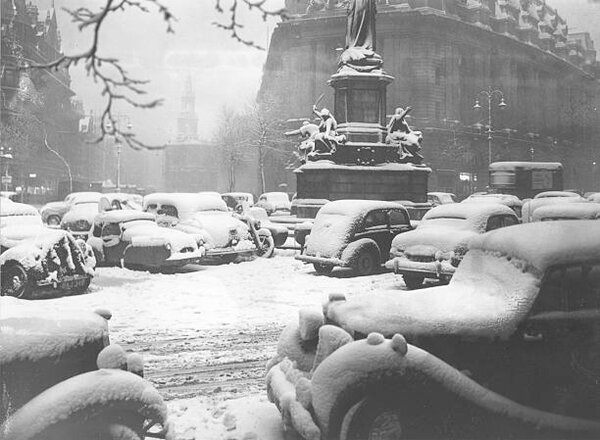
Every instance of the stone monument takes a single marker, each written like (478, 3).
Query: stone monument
(357, 154)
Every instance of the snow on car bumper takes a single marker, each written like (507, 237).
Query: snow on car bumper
(64, 283)
(182, 258)
(322, 260)
(431, 269)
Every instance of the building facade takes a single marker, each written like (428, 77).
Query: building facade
(443, 53)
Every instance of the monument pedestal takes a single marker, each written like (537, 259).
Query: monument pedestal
(324, 179)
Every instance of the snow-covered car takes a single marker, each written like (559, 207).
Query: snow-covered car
(436, 247)
(224, 235)
(133, 239)
(61, 378)
(512, 201)
(273, 202)
(548, 198)
(567, 211)
(354, 233)
(437, 198)
(279, 232)
(37, 258)
(233, 199)
(509, 349)
(53, 212)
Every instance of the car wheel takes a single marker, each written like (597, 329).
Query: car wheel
(266, 246)
(365, 263)
(323, 269)
(53, 220)
(15, 281)
(413, 281)
(373, 419)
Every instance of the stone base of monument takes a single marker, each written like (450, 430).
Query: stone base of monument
(390, 181)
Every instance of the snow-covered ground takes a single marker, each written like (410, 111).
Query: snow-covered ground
(207, 334)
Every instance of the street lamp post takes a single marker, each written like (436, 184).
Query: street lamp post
(489, 94)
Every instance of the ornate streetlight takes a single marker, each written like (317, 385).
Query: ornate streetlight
(489, 94)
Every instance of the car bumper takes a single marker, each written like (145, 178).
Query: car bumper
(183, 258)
(65, 283)
(322, 260)
(433, 269)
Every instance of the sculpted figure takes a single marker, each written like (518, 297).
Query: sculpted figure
(308, 131)
(359, 53)
(327, 140)
(408, 141)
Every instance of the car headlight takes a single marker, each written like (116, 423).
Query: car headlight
(233, 232)
(168, 246)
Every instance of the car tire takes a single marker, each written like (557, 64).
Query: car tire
(15, 281)
(365, 263)
(266, 246)
(53, 220)
(323, 269)
(413, 281)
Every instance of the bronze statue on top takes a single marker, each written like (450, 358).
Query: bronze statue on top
(406, 139)
(359, 54)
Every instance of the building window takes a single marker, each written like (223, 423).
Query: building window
(439, 74)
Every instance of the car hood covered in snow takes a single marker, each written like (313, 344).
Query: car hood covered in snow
(492, 291)
(219, 227)
(433, 236)
(145, 233)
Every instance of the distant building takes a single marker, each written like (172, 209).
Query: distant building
(442, 53)
(187, 121)
(38, 110)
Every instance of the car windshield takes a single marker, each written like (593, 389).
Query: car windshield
(445, 222)
(278, 197)
(138, 222)
(446, 198)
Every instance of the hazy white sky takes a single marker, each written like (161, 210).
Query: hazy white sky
(223, 71)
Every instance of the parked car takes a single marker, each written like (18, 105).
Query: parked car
(36, 258)
(53, 212)
(233, 199)
(567, 211)
(279, 232)
(509, 349)
(79, 219)
(133, 239)
(61, 379)
(530, 206)
(551, 194)
(512, 201)
(593, 197)
(354, 233)
(436, 247)
(437, 198)
(226, 237)
(273, 202)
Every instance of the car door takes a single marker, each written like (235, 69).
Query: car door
(375, 226)
(561, 341)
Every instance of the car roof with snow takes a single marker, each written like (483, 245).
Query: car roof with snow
(583, 210)
(505, 199)
(467, 211)
(187, 204)
(9, 208)
(571, 241)
(354, 208)
(511, 165)
(123, 215)
(83, 197)
(556, 194)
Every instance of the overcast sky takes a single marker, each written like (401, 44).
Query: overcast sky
(223, 72)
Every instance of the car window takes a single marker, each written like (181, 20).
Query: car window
(494, 222)
(570, 288)
(509, 220)
(152, 207)
(111, 229)
(375, 219)
(398, 218)
(169, 210)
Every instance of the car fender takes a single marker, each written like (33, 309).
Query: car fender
(97, 246)
(415, 377)
(264, 232)
(89, 401)
(353, 249)
(291, 345)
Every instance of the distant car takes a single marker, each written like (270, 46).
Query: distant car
(278, 232)
(593, 197)
(437, 198)
(61, 379)
(133, 239)
(225, 237)
(548, 198)
(273, 202)
(512, 201)
(567, 211)
(36, 258)
(354, 233)
(233, 199)
(436, 247)
(53, 212)
(509, 349)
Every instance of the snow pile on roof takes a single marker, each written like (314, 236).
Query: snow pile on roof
(547, 194)
(187, 204)
(335, 223)
(488, 296)
(91, 395)
(475, 214)
(511, 166)
(329, 165)
(505, 199)
(584, 210)
(545, 244)
(82, 211)
(32, 331)
(10, 208)
(530, 206)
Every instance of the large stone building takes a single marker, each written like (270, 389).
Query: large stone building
(442, 53)
(40, 118)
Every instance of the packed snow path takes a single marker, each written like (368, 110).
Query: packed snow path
(211, 330)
